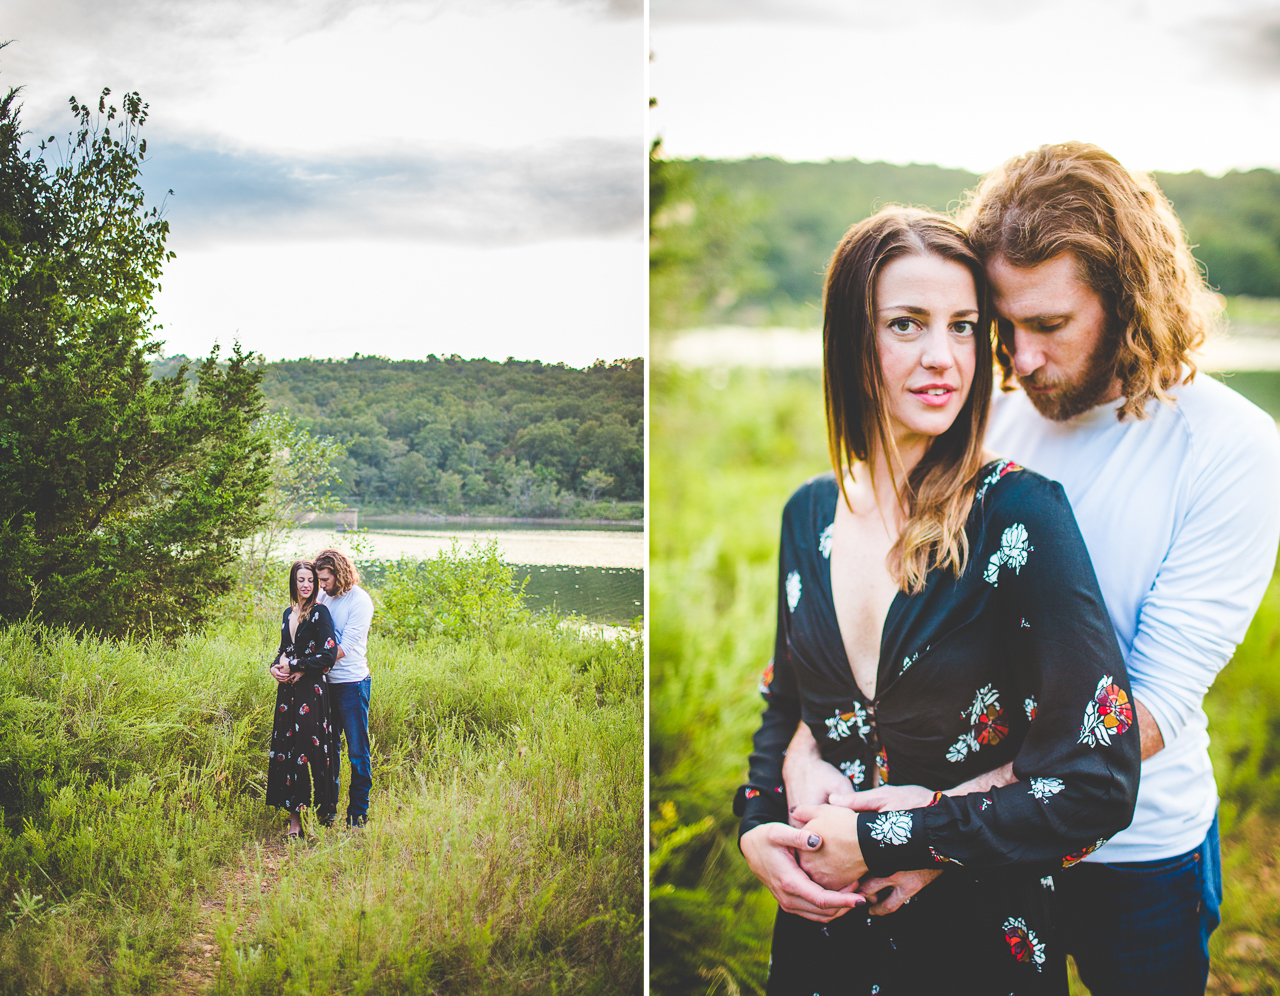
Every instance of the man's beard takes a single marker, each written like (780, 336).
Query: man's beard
(1070, 400)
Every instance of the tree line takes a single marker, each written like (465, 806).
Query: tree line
(519, 437)
(748, 240)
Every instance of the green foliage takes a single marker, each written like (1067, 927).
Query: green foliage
(302, 473)
(458, 435)
(703, 250)
(454, 594)
(504, 853)
(122, 499)
(801, 210)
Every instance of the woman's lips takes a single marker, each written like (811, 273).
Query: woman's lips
(935, 395)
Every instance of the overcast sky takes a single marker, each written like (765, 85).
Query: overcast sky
(1162, 84)
(396, 177)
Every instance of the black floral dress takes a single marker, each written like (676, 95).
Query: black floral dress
(302, 750)
(1015, 660)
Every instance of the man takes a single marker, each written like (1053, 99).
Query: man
(1173, 482)
(349, 681)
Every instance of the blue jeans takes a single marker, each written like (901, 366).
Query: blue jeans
(1142, 926)
(349, 701)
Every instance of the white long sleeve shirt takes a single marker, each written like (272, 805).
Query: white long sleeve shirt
(352, 613)
(1180, 514)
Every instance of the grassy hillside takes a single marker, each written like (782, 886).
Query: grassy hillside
(503, 854)
(725, 458)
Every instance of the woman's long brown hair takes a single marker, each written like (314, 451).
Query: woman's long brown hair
(298, 565)
(938, 492)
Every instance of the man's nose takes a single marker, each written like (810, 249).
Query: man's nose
(1028, 357)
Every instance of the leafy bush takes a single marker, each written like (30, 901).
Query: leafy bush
(453, 594)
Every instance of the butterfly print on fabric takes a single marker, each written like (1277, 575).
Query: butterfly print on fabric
(891, 828)
(766, 679)
(1023, 943)
(846, 724)
(1075, 857)
(1014, 547)
(1108, 714)
(793, 590)
(987, 724)
(1045, 788)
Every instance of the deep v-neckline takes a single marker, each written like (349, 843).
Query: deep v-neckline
(886, 624)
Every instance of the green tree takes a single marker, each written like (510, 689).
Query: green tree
(303, 472)
(123, 499)
(594, 481)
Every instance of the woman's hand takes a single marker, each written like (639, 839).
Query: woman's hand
(280, 670)
(838, 863)
(770, 850)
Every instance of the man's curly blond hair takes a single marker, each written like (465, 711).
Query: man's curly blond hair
(1130, 248)
(344, 571)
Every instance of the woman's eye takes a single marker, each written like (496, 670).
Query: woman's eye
(902, 325)
(964, 328)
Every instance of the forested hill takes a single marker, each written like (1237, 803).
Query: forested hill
(796, 212)
(521, 437)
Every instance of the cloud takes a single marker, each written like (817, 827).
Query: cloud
(589, 188)
(1246, 46)
(867, 13)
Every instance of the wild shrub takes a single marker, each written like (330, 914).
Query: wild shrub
(457, 593)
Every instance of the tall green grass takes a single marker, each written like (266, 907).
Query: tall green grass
(725, 458)
(503, 853)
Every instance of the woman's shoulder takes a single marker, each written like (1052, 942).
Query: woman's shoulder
(1007, 488)
(319, 614)
(819, 490)
(285, 618)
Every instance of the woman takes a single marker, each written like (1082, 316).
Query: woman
(301, 762)
(938, 617)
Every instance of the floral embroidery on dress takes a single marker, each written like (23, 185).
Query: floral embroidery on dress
(1014, 547)
(891, 828)
(1075, 857)
(961, 749)
(1029, 707)
(942, 859)
(854, 770)
(1023, 943)
(825, 539)
(766, 679)
(1000, 469)
(793, 590)
(908, 661)
(1047, 883)
(1045, 788)
(846, 724)
(882, 766)
(1108, 714)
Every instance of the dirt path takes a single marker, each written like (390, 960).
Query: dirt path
(249, 876)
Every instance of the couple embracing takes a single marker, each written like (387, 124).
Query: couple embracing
(322, 693)
(984, 746)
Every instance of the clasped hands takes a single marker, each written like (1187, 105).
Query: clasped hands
(280, 671)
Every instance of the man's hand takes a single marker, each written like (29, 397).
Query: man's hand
(1148, 731)
(770, 851)
(905, 884)
(886, 797)
(808, 779)
(339, 655)
(838, 863)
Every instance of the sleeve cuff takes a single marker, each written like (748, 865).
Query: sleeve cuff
(894, 841)
(759, 805)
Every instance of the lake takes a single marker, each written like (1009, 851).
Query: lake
(596, 573)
